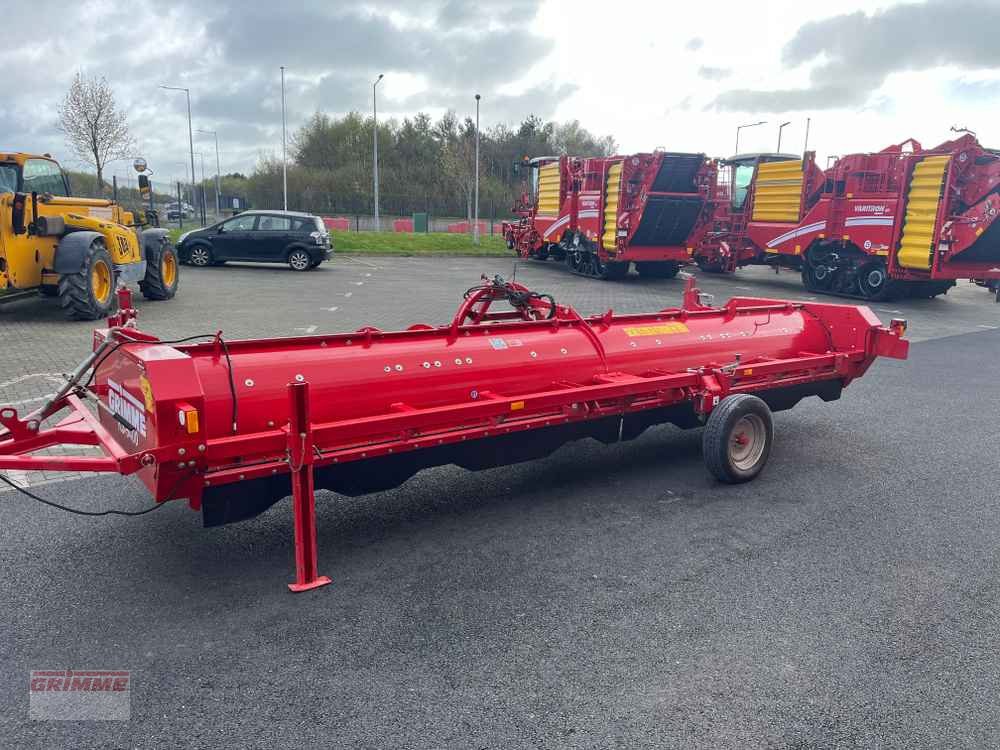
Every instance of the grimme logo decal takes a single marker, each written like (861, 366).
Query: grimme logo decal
(129, 408)
(870, 208)
(80, 694)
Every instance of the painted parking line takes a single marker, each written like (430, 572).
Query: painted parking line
(348, 294)
(331, 309)
(307, 329)
(54, 376)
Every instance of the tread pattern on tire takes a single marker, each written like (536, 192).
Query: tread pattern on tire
(74, 289)
(153, 286)
(715, 442)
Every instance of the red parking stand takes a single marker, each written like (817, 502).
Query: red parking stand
(300, 461)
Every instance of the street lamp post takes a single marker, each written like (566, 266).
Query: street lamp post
(740, 127)
(204, 204)
(190, 129)
(375, 141)
(475, 231)
(218, 175)
(284, 159)
(780, 128)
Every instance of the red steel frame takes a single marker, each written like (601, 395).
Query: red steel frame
(184, 464)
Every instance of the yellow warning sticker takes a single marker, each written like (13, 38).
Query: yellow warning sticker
(147, 393)
(664, 329)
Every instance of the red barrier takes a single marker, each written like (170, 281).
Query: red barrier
(402, 225)
(337, 222)
(465, 227)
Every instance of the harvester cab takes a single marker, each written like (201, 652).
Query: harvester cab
(725, 246)
(77, 249)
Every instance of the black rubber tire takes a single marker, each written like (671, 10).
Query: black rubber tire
(49, 290)
(881, 292)
(719, 434)
(315, 264)
(615, 271)
(200, 255)
(666, 269)
(295, 264)
(708, 266)
(156, 285)
(76, 293)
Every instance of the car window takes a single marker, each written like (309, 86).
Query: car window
(240, 223)
(303, 225)
(43, 176)
(274, 224)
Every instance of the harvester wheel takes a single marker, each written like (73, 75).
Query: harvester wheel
(89, 294)
(737, 439)
(874, 281)
(707, 265)
(658, 269)
(161, 277)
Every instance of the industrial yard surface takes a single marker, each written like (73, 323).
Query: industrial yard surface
(607, 596)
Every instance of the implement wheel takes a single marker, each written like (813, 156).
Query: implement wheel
(162, 275)
(737, 439)
(89, 294)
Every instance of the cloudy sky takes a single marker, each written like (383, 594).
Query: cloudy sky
(681, 75)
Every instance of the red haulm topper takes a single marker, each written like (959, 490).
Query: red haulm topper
(225, 424)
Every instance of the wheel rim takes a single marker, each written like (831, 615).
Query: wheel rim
(199, 256)
(100, 281)
(299, 261)
(747, 441)
(168, 269)
(875, 279)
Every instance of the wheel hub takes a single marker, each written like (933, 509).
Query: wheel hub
(747, 442)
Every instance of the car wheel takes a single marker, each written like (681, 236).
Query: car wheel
(200, 256)
(299, 260)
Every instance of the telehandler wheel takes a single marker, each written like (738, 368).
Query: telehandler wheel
(89, 294)
(161, 277)
(737, 439)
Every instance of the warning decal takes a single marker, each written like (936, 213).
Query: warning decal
(664, 329)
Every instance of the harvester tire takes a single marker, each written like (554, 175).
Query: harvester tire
(162, 275)
(737, 439)
(658, 269)
(89, 294)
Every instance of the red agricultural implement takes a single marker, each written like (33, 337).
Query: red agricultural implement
(905, 221)
(235, 426)
(599, 215)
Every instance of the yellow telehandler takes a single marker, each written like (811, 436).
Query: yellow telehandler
(77, 249)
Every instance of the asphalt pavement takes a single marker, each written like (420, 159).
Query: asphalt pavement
(607, 596)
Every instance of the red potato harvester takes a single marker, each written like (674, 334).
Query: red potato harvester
(233, 427)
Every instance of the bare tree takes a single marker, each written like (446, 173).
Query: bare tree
(94, 127)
